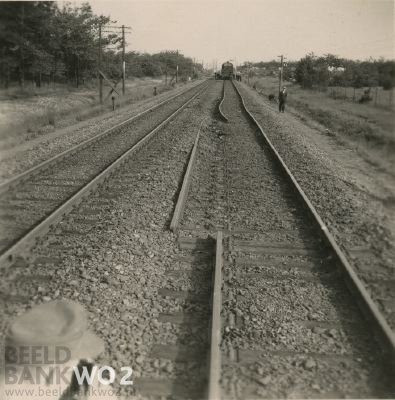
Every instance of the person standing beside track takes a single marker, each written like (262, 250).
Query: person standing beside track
(282, 98)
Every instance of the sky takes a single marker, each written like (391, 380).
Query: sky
(255, 30)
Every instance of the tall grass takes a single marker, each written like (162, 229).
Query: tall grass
(51, 116)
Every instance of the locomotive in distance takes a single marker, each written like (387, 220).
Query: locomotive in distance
(228, 72)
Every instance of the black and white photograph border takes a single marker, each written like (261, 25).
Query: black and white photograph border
(194, 205)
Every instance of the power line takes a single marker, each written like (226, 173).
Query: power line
(119, 27)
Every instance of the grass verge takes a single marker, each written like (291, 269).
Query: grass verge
(371, 130)
(31, 114)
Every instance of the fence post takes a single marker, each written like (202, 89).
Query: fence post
(375, 96)
(353, 96)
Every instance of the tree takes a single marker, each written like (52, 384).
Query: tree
(305, 72)
(386, 72)
(39, 39)
(24, 37)
(77, 39)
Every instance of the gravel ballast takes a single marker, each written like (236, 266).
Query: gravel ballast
(111, 253)
(291, 328)
(354, 199)
(54, 185)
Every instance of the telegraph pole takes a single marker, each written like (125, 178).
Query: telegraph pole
(100, 75)
(21, 48)
(280, 80)
(123, 60)
(117, 30)
(177, 68)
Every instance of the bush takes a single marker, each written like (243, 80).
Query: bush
(387, 84)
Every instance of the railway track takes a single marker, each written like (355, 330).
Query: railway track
(249, 300)
(30, 201)
(295, 320)
(112, 250)
(360, 237)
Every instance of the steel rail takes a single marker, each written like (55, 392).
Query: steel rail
(365, 302)
(214, 388)
(182, 197)
(220, 110)
(22, 246)
(86, 143)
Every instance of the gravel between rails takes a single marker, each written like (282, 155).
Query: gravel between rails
(24, 205)
(358, 213)
(206, 203)
(15, 161)
(289, 318)
(111, 254)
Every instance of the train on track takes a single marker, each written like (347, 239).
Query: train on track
(228, 72)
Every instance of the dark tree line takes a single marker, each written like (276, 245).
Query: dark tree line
(329, 70)
(43, 42)
(162, 64)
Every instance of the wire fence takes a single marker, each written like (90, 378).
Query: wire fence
(375, 96)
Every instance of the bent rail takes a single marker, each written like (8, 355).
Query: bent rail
(182, 197)
(220, 110)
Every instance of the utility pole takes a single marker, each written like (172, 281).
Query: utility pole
(123, 60)
(280, 80)
(21, 49)
(117, 30)
(100, 75)
(177, 68)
